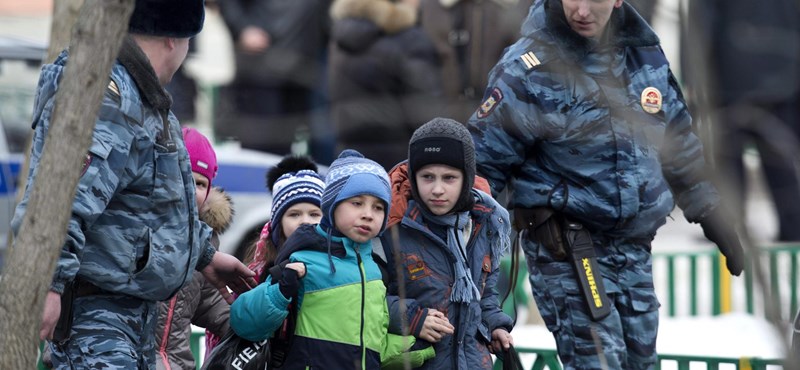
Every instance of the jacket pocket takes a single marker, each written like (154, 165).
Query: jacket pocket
(98, 349)
(93, 164)
(643, 299)
(167, 181)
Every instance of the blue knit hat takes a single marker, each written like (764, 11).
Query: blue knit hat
(352, 175)
(304, 186)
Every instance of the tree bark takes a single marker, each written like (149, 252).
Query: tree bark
(96, 39)
(65, 14)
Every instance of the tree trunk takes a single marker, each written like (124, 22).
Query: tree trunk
(28, 270)
(65, 14)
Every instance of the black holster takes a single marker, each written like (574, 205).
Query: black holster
(563, 238)
(64, 324)
(543, 225)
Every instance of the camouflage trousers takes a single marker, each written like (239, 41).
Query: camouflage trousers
(109, 332)
(625, 339)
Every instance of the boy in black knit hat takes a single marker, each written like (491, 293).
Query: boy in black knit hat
(446, 251)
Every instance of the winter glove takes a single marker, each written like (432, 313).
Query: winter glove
(289, 283)
(719, 231)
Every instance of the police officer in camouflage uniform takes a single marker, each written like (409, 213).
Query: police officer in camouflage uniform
(134, 237)
(583, 118)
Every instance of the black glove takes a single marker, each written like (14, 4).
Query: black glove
(722, 233)
(289, 283)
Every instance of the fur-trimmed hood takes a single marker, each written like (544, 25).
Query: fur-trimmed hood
(388, 16)
(217, 211)
(357, 24)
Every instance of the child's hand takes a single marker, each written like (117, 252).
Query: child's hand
(299, 267)
(436, 326)
(501, 340)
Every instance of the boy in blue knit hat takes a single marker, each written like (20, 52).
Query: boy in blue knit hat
(339, 273)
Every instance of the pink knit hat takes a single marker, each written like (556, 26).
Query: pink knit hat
(201, 154)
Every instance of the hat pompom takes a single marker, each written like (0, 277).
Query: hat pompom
(350, 153)
(294, 180)
(289, 164)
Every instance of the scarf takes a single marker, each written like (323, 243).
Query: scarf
(464, 289)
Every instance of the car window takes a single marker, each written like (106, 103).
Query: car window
(17, 86)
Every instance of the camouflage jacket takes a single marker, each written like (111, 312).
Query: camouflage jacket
(134, 227)
(598, 130)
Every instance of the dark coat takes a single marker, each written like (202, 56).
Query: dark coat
(490, 26)
(298, 32)
(384, 78)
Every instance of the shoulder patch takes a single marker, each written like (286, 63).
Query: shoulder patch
(488, 105)
(530, 59)
(113, 87)
(651, 100)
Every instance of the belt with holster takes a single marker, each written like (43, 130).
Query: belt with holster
(566, 238)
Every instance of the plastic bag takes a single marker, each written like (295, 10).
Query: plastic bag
(511, 360)
(235, 352)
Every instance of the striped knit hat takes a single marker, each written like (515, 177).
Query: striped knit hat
(352, 175)
(301, 186)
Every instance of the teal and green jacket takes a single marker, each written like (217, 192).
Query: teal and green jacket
(342, 317)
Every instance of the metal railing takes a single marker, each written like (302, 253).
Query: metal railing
(687, 278)
(548, 359)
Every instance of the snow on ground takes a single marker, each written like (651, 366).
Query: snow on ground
(728, 336)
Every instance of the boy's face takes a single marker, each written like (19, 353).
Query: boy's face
(298, 214)
(439, 186)
(359, 218)
(201, 184)
(589, 17)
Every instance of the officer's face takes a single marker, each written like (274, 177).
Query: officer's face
(178, 48)
(589, 17)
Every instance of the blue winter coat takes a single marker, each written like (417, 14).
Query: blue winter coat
(599, 131)
(428, 275)
(342, 314)
(134, 228)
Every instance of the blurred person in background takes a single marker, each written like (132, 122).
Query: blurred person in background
(748, 67)
(470, 36)
(384, 77)
(279, 52)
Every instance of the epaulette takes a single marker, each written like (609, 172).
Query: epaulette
(113, 87)
(530, 60)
